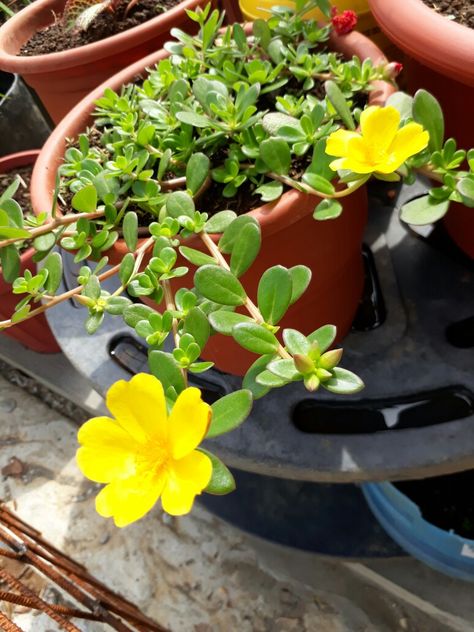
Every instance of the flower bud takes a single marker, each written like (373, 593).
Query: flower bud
(330, 359)
(303, 363)
(393, 69)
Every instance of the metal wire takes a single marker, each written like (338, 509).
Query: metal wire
(24, 544)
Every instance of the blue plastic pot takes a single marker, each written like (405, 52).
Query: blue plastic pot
(402, 520)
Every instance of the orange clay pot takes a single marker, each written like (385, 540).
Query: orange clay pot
(34, 333)
(290, 235)
(62, 79)
(439, 58)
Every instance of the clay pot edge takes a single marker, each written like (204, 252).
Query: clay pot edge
(11, 62)
(429, 37)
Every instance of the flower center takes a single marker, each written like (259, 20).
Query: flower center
(153, 458)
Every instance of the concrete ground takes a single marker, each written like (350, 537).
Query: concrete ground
(197, 574)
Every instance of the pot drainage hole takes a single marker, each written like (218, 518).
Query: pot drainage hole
(380, 415)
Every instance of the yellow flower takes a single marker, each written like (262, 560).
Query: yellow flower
(143, 454)
(381, 147)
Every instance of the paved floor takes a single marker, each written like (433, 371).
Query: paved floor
(196, 573)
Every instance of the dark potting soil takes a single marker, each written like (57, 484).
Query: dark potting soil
(461, 11)
(445, 501)
(22, 196)
(58, 37)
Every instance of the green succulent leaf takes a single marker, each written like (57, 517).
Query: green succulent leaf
(222, 482)
(245, 249)
(275, 152)
(338, 101)
(164, 367)
(300, 280)
(219, 222)
(10, 263)
(296, 342)
(197, 325)
(327, 209)
(219, 285)
(232, 232)
(180, 203)
(133, 314)
(274, 293)
(54, 266)
(130, 230)
(424, 210)
(224, 322)
(427, 111)
(229, 412)
(324, 336)
(85, 200)
(255, 338)
(343, 382)
(196, 257)
(197, 171)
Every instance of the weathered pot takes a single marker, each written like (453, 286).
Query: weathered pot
(62, 79)
(439, 58)
(20, 112)
(34, 333)
(290, 235)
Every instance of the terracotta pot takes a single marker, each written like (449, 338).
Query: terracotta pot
(290, 235)
(34, 333)
(439, 58)
(62, 79)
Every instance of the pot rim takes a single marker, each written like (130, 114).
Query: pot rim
(40, 64)
(271, 216)
(11, 161)
(440, 43)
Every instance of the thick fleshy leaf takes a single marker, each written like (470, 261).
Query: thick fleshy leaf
(274, 293)
(85, 200)
(197, 171)
(197, 325)
(285, 369)
(249, 382)
(275, 153)
(424, 210)
(245, 249)
(219, 222)
(296, 342)
(130, 230)
(133, 314)
(54, 266)
(343, 382)
(222, 482)
(179, 203)
(196, 257)
(219, 285)
(233, 230)
(255, 338)
(300, 279)
(164, 367)
(327, 209)
(324, 336)
(339, 103)
(224, 322)
(427, 111)
(229, 412)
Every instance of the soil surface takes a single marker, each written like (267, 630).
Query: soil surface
(445, 501)
(58, 37)
(22, 196)
(461, 11)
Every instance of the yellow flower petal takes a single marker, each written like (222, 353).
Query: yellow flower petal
(107, 451)
(337, 142)
(187, 478)
(128, 500)
(379, 126)
(139, 406)
(188, 422)
(409, 140)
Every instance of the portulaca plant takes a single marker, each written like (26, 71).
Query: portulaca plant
(227, 111)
